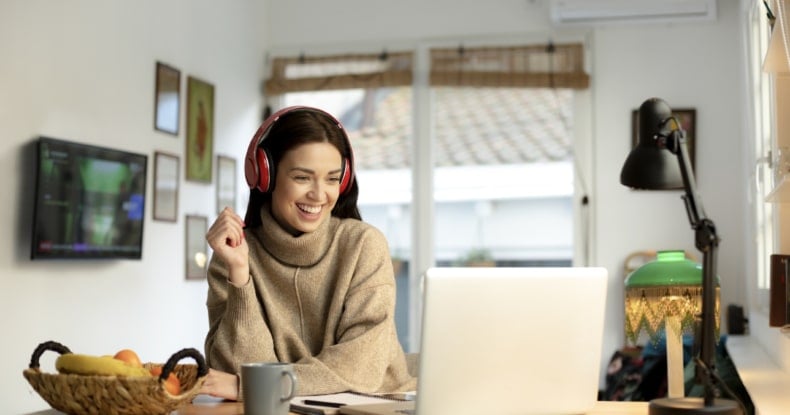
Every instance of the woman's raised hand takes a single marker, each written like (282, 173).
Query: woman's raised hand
(226, 238)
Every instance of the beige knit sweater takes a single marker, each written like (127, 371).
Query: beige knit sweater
(324, 301)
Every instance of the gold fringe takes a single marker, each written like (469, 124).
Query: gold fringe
(646, 310)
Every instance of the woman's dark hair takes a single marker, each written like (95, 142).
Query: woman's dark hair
(294, 129)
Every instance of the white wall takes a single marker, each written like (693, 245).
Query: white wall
(696, 64)
(83, 70)
(362, 24)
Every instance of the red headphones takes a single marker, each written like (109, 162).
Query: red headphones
(259, 165)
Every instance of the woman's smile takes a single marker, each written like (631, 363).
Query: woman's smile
(307, 186)
(309, 209)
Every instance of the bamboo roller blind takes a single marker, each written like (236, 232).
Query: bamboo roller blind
(339, 72)
(517, 66)
(535, 66)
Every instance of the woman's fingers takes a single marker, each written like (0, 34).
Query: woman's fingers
(227, 230)
(221, 384)
(226, 239)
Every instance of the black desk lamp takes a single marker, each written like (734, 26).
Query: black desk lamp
(650, 167)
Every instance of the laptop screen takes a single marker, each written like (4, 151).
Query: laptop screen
(511, 340)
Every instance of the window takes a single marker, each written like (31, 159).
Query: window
(761, 133)
(503, 182)
(761, 110)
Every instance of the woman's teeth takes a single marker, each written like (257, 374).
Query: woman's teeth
(310, 209)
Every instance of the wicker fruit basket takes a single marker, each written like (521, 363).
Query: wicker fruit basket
(116, 395)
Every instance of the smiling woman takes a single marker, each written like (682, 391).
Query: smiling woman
(319, 279)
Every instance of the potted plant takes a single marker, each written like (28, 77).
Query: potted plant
(478, 257)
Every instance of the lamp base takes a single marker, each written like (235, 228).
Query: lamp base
(693, 406)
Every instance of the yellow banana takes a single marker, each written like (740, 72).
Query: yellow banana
(81, 364)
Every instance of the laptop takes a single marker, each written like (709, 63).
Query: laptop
(507, 341)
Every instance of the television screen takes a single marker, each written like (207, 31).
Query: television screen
(89, 202)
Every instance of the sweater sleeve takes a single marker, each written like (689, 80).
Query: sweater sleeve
(366, 356)
(236, 321)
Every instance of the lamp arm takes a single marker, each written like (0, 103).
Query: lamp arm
(704, 374)
(707, 242)
(676, 143)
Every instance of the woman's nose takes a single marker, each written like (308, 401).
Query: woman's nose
(316, 190)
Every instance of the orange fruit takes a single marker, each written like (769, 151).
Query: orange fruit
(172, 384)
(129, 356)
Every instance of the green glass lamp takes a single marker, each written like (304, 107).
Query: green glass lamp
(665, 295)
(670, 285)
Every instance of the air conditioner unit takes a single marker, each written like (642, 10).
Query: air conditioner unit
(591, 12)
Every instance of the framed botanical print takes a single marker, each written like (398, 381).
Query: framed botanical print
(200, 130)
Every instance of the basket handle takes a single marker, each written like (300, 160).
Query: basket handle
(43, 347)
(188, 352)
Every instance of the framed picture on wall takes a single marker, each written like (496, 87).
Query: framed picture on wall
(196, 247)
(226, 183)
(200, 130)
(688, 120)
(165, 186)
(167, 98)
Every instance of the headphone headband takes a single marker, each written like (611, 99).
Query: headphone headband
(259, 166)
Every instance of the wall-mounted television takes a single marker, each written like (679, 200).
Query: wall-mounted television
(89, 202)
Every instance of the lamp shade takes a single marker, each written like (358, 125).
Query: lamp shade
(670, 285)
(649, 166)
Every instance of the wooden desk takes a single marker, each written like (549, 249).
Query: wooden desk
(212, 408)
(234, 408)
(620, 408)
(206, 407)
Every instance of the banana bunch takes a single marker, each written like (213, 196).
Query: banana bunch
(81, 364)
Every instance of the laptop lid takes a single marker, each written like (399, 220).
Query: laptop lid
(511, 340)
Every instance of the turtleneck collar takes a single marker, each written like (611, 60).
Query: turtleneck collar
(301, 251)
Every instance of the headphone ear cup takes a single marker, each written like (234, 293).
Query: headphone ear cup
(266, 170)
(346, 176)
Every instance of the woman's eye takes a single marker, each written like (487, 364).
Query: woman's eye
(334, 179)
(301, 178)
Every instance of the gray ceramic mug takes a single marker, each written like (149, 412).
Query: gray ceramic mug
(267, 388)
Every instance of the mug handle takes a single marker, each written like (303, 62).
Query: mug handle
(293, 386)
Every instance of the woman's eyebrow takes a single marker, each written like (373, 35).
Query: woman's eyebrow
(302, 169)
(311, 171)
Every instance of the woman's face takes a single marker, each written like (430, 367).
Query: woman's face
(306, 188)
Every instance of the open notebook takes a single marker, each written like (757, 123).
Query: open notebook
(507, 341)
(330, 404)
